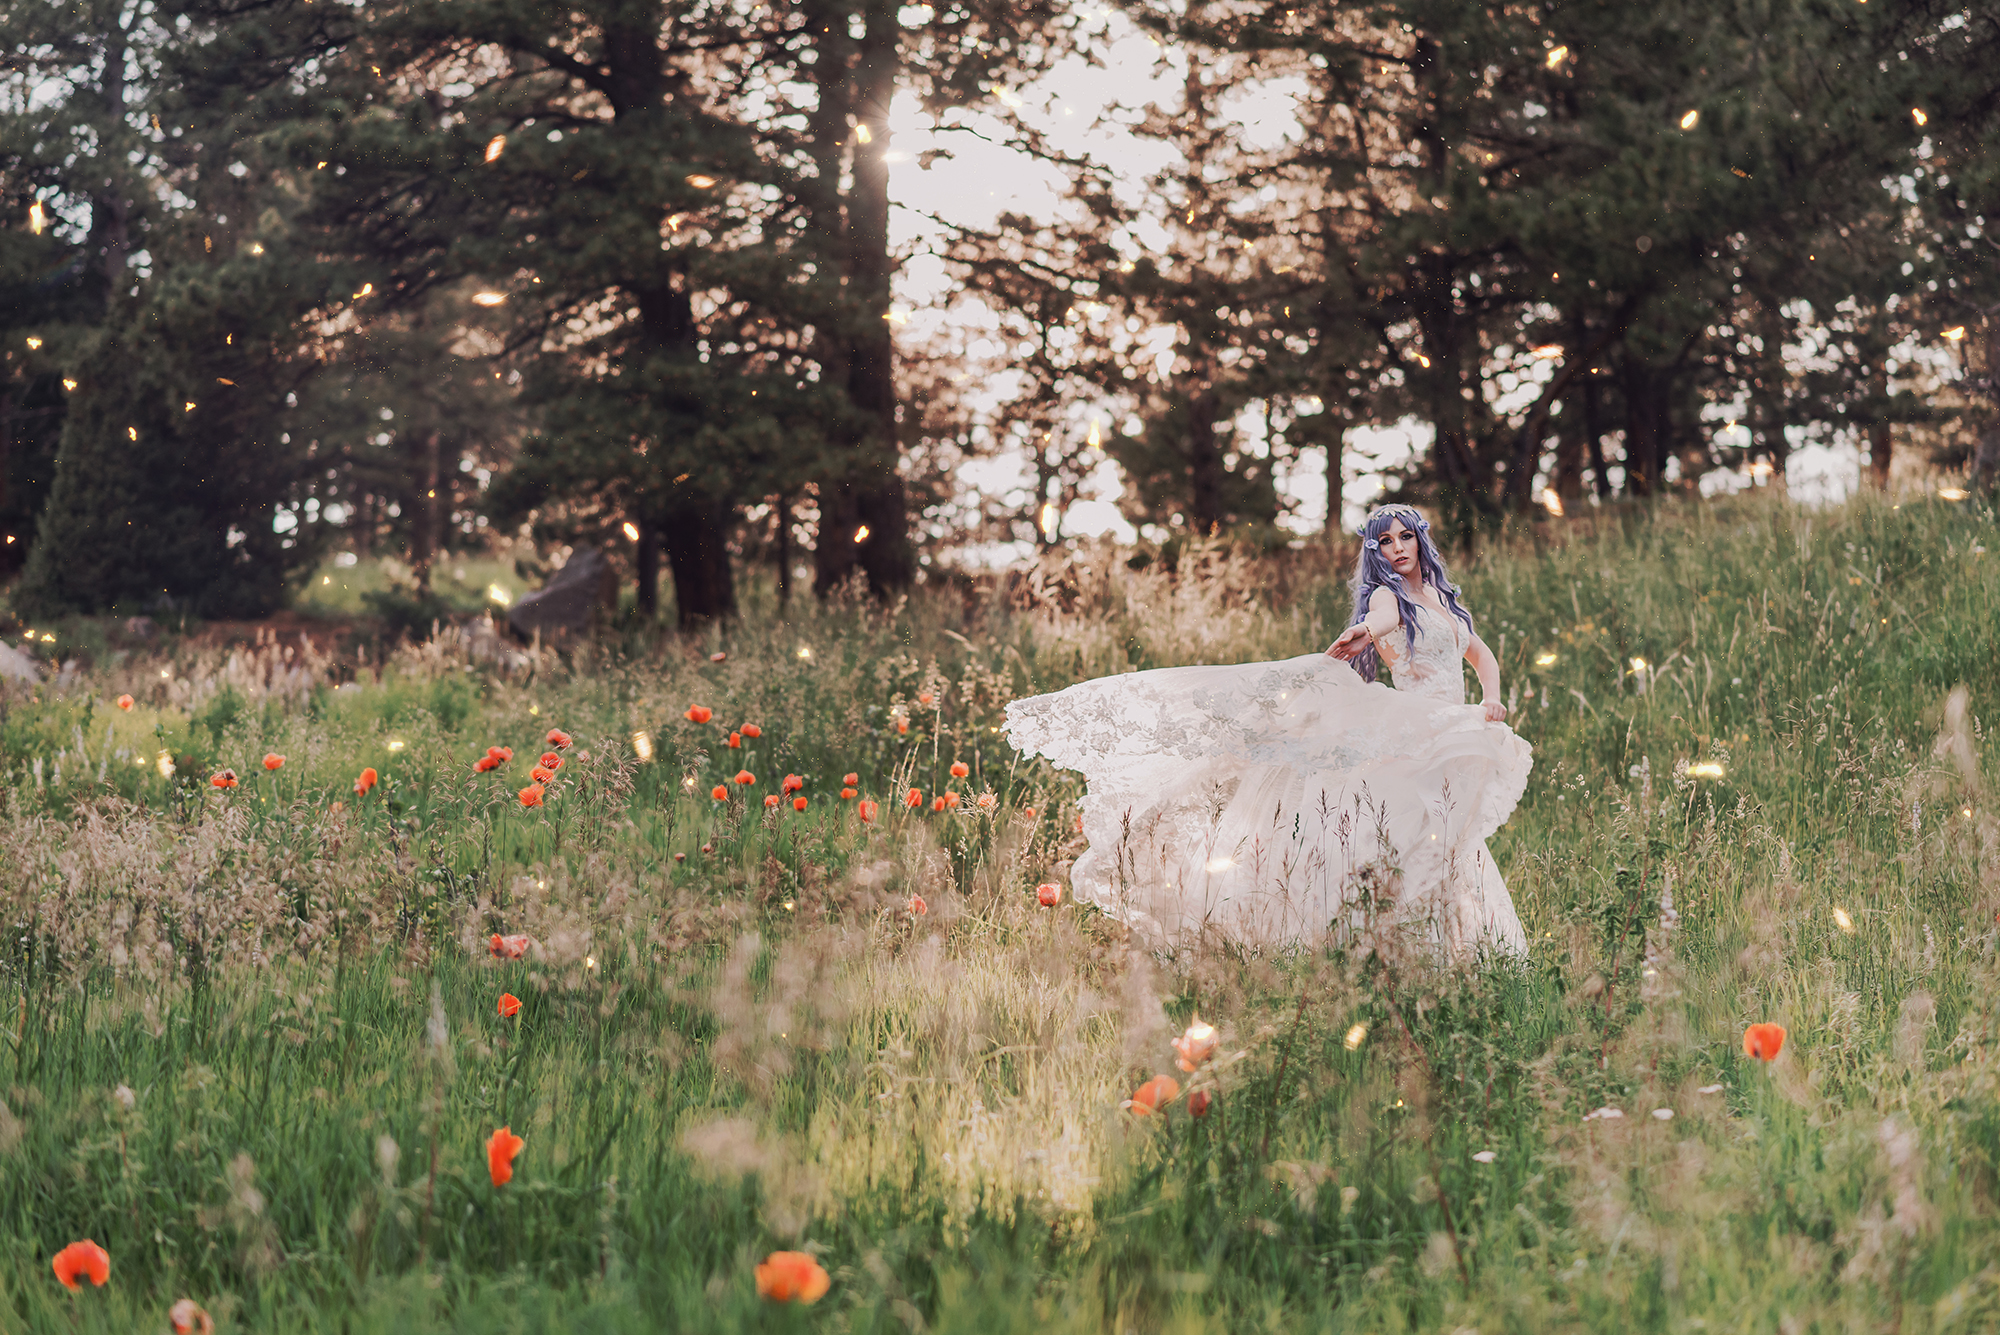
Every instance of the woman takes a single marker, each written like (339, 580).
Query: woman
(1268, 803)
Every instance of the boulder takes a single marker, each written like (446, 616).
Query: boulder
(17, 666)
(567, 602)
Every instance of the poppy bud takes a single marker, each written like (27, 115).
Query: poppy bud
(1048, 894)
(937, 804)
(125, 702)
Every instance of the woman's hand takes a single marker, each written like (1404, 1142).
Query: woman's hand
(1351, 642)
(1495, 711)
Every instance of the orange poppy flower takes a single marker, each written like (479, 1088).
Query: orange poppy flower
(1198, 1103)
(917, 906)
(950, 799)
(1764, 1041)
(1148, 1098)
(792, 1277)
(752, 731)
(770, 799)
(1049, 894)
(551, 761)
(699, 714)
(793, 783)
(510, 947)
(719, 792)
(902, 727)
(559, 739)
(850, 779)
(848, 794)
(1029, 812)
(736, 740)
(272, 760)
(83, 1260)
(745, 777)
(125, 702)
(799, 803)
(540, 775)
(924, 698)
(501, 1147)
(223, 778)
(501, 754)
(866, 811)
(366, 781)
(531, 796)
(937, 804)
(914, 798)
(1196, 1046)
(510, 1005)
(959, 769)
(187, 1318)
(486, 763)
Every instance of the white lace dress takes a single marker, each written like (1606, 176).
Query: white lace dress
(1254, 802)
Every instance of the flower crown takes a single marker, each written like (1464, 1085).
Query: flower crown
(1375, 545)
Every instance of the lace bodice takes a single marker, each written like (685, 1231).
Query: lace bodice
(1432, 668)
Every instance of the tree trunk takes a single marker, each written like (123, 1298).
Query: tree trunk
(864, 511)
(695, 533)
(1206, 506)
(1593, 434)
(1335, 501)
(1646, 440)
(424, 523)
(784, 517)
(647, 559)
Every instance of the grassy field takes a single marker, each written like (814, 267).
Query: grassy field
(256, 1052)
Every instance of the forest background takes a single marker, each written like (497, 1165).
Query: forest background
(428, 278)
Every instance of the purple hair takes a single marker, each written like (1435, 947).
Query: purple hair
(1373, 571)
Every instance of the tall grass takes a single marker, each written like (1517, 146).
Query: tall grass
(255, 1048)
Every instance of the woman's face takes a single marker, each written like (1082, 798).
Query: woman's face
(1399, 546)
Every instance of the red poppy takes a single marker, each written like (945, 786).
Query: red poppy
(950, 799)
(125, 702)
(366, 781)
(848, 794)
(1029, 812)
(736, 740)
(540, 775)
(699, 714)
(551, 761)
(188, 1318)
(500, 754)
(501, 1147)
(486, 763)
(223, 778)
(1198, 1103)
(717, 657)
(83, 1260)
(1764, 1041)
(1049, 894)
(902, 727)
(793, 783)
(792, 1277)
(917, 906)
(937, 804)
(850, 779)
(1148, 1098)
(866, 811)
(1196, 1046)
(531, 796)
(770, 799)
(559, 739)
(719, 792)
(510, 1005)
(914, 798)
(798, 804)
(708, 848)
(752, 731)
(745, 777)
(924, 698)
(510, 947)
(272, 760)
(959, 770)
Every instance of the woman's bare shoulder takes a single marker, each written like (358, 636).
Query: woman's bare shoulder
(1382, 600)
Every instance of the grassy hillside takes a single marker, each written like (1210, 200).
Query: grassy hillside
(256, 1049)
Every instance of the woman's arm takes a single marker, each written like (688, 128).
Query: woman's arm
(1487, 668)
(1382, 618)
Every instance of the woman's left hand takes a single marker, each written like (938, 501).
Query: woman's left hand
(1495, 711)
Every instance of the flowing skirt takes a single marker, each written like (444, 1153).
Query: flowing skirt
(1271, 803)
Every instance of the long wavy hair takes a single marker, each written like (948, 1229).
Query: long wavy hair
(1372, 571)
